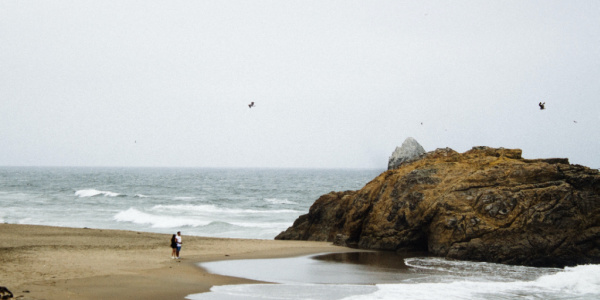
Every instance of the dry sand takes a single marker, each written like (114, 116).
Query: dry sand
(41, 262)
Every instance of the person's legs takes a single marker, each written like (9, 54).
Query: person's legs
(178, 249)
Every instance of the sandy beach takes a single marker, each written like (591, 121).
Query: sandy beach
(42, 262)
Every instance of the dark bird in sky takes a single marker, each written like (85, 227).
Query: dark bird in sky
(251, 104)
(542, 105)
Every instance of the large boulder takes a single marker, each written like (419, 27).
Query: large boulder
(409, 151)
(487, 204)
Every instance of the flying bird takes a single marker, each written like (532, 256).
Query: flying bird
(251, 104)
(542, 105)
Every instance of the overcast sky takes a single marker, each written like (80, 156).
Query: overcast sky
(337, 84)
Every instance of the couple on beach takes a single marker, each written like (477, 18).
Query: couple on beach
(176, 245)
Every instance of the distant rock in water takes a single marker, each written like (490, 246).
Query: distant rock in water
(487, 204)
(409, 150)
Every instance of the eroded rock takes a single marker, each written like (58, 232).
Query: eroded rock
(487, 204)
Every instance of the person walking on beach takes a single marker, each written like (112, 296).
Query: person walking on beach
(178, 238)
(173, 247)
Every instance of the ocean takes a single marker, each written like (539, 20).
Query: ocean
(259, 204)
(231, 203)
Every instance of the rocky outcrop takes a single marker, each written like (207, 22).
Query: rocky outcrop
(5, 293)
(486, 204)
(410, 150)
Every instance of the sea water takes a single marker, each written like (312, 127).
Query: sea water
(258, 204)
(231, 203)
(388, 276)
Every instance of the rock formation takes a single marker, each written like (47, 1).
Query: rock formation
(486, 204)
(5, 293)
(409, 151)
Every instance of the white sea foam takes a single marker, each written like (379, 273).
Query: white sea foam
(184, 198)
(581, 282)
(157, 221)
(263, 225)
(470, 280)
(141, 196)
(282, 292)
(279, 201)
(210, 220)
(209, 208)
(457, 280)
(92, 193)
(217, 229)
(451, 269)
(25, 221)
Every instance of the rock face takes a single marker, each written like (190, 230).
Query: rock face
(409, 150)
(486, 204)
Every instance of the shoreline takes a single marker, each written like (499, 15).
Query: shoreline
(46, 262)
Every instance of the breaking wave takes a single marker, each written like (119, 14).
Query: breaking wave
(135, 216)
(279, 201)
(209, 208)
(93, 193)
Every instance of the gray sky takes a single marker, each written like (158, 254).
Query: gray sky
(337, 84)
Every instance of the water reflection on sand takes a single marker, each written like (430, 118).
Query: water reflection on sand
(364, 268)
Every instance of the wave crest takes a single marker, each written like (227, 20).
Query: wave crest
(93, 193)
(279, 201)
(581, 280)
(209, 208)
(135, 216)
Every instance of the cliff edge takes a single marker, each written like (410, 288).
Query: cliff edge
(487, 204)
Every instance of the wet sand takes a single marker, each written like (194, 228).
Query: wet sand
(42, 262)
